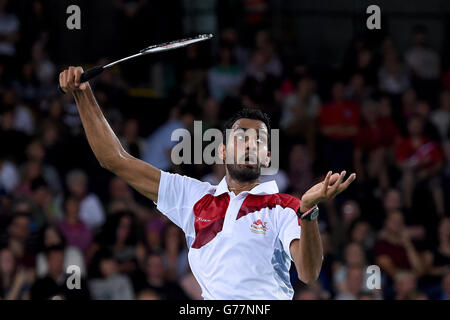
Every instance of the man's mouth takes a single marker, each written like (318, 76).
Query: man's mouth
(250, 160)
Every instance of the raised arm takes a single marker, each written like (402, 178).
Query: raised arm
(307, 252)
(104, 143)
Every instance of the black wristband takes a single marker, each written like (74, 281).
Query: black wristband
(310, 215)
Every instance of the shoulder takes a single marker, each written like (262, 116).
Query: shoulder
(289, 201)
(191, 183)
(285, 201)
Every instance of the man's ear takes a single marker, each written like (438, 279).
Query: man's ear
(222, 152)
(267, 160)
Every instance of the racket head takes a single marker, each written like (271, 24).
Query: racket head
(175, 44)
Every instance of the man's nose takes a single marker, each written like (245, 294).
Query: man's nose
(251, 144)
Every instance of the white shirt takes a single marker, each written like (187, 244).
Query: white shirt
(9, 176)
(91, 211)
(238, 245)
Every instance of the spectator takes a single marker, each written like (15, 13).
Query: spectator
(437, 260)
(175, 253)
(154, 279)
(75, 231)
(45, 206)
(405, 286)
(54, 284)
(259, 85)
(394, 250)
(35, 152)
(302, 104)
(9, 175)
(225, 78)
(120, 191)
(18, 238)
(159, 143)
(9, 30)
(210, 114)
(341, 225)
(72, 255)
(420, 160)
(429, 129)
(300, 168)
(441, 117)
(362, 233)
(300, 111)
(352, 286)
(111, 284)
(424, 63)
(130, 139)
(264, 43)
(354, 257)
(119, 236)
(356, 90)
(91, 209)
(374, 145)
(152, 241)
(393, 76)
(15, 282)
(338, 123)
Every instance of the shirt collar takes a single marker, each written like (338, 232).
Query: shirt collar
(269, 187)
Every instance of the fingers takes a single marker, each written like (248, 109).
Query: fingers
(340, 186)
(332, 191)
(333, 178)
(326, 182)
(62, 83)
(347, 182)
(69, 79)
(77, 73)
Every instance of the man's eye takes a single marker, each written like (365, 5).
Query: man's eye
(261, 140)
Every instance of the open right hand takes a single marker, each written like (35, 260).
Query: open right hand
(69, 79)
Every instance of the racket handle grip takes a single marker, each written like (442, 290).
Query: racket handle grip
(86, 76)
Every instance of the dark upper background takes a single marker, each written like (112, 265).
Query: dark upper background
(372, 101)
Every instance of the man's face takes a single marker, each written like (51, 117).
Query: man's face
(247, 149)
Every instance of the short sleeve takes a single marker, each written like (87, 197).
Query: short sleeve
(177, 195)
(289, 229)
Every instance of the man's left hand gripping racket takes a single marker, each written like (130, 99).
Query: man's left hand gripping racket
(95, 71)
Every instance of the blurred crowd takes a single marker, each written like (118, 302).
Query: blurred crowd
(383, 114)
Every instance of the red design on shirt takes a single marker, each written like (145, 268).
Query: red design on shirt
(209, 214)
(254, 203)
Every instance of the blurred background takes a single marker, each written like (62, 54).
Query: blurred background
(374, 102)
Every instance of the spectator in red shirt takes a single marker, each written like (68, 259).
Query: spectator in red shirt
(374, 144)
(394, 250)
(338, 123)
(420, 160)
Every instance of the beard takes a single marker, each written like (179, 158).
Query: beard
(244, 173)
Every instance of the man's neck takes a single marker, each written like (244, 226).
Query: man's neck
(239, 186)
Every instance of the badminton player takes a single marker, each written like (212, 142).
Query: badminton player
(242, 234)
